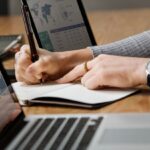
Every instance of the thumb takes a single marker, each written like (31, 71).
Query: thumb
(36, 69)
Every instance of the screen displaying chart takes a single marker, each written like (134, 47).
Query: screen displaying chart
(59, 24)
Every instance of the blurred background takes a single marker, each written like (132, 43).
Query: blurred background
(11, 7)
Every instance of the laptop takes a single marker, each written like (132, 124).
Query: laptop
(60, 25)
(68, 132)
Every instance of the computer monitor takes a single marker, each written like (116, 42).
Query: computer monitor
(60, 25)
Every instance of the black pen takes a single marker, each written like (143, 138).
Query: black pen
(27, 22)
(28, 27)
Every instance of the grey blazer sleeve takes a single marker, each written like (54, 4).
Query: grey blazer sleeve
(134, 46)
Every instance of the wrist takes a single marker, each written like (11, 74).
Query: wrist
(141, 73)
(147, 68)
(72, 58)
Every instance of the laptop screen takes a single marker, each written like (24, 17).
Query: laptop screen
(9, 109)
(60, 24)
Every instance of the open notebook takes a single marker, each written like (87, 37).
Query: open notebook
(71, 94)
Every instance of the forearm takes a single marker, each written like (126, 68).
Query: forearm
(135, 46)
(71, 59)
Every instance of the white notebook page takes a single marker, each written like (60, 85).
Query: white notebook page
(74, 92)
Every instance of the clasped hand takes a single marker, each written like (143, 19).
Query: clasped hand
(104, 70)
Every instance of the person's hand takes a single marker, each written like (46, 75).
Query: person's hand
(50, 66)
(109, 71)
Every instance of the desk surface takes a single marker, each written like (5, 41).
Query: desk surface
(107, 26)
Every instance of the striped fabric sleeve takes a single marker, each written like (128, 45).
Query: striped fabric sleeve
(134, 46)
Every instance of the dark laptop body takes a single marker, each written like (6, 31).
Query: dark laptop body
(10, 128)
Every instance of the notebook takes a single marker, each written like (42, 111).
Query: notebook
(71, 94)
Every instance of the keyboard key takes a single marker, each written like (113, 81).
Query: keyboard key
(89, 134)
(28, 133)
(39, 132)
(63, 133)
(76, 133)
(16, 129)
(51, 132)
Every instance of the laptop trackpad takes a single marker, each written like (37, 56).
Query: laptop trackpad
(125, 137)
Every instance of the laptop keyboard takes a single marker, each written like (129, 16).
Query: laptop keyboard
(58, 134)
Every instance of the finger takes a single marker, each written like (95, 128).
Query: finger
(36, 69)
(75, 73)
(98, 77)
(23, 53)
(19, 73)
(104, 78)
(92, 83)
(32, 78)
(92, 63)
(88, 75)
(26, 79)
(22, 76)
(22, 58)
(19, 78)
(17, 57)
(99, 59)
(25, 48)
(31, 82)
(23, 61)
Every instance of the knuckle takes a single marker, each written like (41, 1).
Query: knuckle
(98, 66)
(101, 65)
(43, 63)
(103, 75)
(33, 70)
(24, 47)
(21, 59)
(30, 70)
(102, 57)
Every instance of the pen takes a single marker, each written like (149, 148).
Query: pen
(28, 27)
(27, 22)
(13, 43)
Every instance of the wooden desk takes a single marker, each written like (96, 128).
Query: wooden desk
(107, 26)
